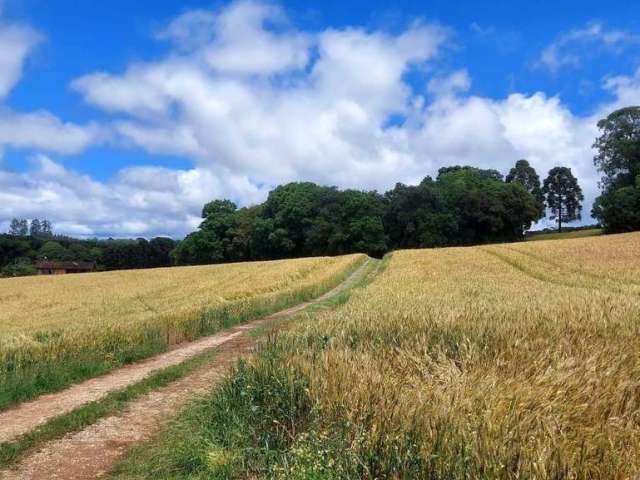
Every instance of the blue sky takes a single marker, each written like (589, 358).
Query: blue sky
(123, 118)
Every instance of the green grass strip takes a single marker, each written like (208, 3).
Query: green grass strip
(88, 414)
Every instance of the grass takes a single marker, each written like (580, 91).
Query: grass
(56, 331)
(502, 362)
(589, 232)
(88, 414)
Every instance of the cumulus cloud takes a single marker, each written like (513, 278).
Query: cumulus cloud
(254, 102)
(246, 38)
(139, 201)
(322, 120)
(570, 48)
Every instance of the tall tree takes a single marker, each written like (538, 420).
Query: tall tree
(524, 173)
(564, 195)
(36, 228)
(618, 148)
(46, 229)
(19, 227)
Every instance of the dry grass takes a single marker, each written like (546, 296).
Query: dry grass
(507, 361)
(51, 326)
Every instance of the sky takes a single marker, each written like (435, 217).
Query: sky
(123, 118)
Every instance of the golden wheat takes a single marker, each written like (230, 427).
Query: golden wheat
(57, 329)
(502, 361)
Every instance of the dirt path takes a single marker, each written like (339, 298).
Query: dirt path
(90, 453)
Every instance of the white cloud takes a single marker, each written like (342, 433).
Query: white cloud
(625, 89)
(323, 120)
(247, 37)
(140, 201)
(570, 48)
(16, 41)
(457, 82)
(42, 130)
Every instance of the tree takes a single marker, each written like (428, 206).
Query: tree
(19, 268)
(159, 252)
(199, 248)
(618, 157)
(563, 195)
(618, 148)
(46, 229)
(54, 251)
(619, 210)
(12, 248)
(19, 227)
(525, 174)
(36, 229)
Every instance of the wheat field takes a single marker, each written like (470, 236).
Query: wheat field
(501, 361)
(57, 329)
(506, 361)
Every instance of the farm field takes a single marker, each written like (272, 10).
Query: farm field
(57, 330)
(502, 361)
(589, 232)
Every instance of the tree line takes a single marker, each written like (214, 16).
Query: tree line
(27, 242)
(463, 205)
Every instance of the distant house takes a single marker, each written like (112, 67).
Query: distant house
(49, 267)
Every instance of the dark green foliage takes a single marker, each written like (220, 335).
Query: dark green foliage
(564, 196)
(618, 157)
(199, 248)
(24, 251)
(618, 148)
(20, 267)
(35, 230)
(297, 219)
(463, 206)
(525, 174)
(619, 209)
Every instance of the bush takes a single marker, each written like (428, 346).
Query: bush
(20, 267)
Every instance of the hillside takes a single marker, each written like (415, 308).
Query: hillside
(502, 361)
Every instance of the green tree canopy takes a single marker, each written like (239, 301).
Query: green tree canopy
(619, 210)
(525, 174)
(618, 148)
(564, 195)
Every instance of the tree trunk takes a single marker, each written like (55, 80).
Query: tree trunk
(560, 215)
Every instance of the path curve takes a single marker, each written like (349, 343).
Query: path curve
(91, 452)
